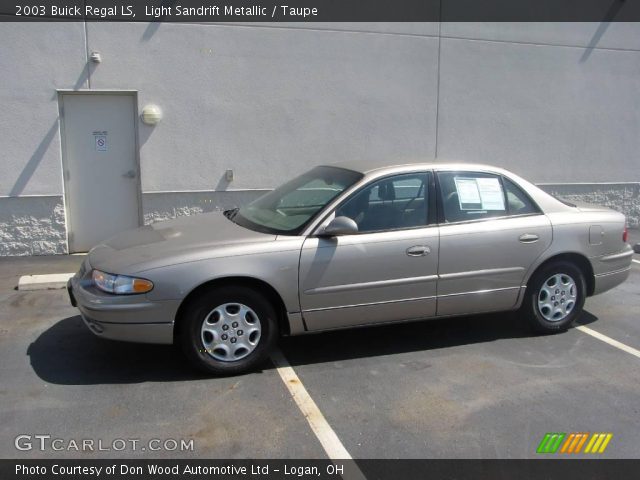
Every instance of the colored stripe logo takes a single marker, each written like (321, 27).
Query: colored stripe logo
(574, 442)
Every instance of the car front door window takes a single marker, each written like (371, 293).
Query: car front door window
(392, 203)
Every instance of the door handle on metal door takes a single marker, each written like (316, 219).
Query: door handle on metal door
(130, 174)
(418, 251)
(528, 238)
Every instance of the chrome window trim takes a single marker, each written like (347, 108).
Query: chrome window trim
(478, 220)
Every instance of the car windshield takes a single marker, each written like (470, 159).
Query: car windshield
(290, 207)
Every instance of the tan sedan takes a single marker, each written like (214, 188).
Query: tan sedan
(346, 246)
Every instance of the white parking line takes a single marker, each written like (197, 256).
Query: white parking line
(609, 340)
(328, 439)
(635, 261)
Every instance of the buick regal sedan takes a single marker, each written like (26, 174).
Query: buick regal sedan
(346, 246)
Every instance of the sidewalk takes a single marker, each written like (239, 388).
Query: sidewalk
(12, 268)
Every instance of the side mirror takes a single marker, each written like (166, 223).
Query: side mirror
(339, 226)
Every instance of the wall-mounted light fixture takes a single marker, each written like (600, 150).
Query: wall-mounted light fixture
(96, 57)
(151, 114)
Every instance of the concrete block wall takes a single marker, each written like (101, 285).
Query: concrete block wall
(32, 226)
(161, 206)
(555, 103)
(36, 59)
(623, 197)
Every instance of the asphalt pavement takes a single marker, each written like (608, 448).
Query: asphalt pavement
(471, 387)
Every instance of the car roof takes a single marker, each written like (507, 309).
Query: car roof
(378, 166)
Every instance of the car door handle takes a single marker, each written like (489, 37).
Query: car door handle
(418, 251)
(130, 174)
(528, 238)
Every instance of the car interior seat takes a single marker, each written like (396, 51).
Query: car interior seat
(452, 212)
(382, 213)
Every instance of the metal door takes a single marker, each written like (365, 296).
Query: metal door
(388, 271)
(371, 278)
(100, 165)
(487, 248)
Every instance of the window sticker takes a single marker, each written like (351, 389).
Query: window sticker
(468, 193)
(479, 193)
(491, 193)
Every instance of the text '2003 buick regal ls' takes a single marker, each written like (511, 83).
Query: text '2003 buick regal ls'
(351, 245)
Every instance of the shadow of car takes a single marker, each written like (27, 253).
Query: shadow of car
(67, 354)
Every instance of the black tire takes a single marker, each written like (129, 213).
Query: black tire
(530, 308)
(191, 336)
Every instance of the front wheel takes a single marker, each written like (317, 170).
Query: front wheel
(228, 330)
(555, 297)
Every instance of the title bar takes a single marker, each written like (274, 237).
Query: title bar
(322, 10)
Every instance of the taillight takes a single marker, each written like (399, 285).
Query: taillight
(625, 234)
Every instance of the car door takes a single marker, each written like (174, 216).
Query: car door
(490, 234)
(386, 272)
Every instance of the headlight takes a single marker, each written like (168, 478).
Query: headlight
(120, 284)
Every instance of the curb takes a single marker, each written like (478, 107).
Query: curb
(44, 282)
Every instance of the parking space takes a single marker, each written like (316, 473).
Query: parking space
(59, 380)
(473, 387)
(620, 309)
(476, 388)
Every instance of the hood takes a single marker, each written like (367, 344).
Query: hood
(182, 239)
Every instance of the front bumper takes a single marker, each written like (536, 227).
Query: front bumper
(129, 318)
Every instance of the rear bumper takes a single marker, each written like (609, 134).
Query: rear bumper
(606, 281)
(131, 318)
(612, 269)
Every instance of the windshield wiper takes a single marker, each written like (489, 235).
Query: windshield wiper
(231, 213)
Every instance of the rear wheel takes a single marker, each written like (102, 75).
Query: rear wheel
(555, 297)
(228, 330)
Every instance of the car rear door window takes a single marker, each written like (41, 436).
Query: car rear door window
(519, 202)
(471, 196)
